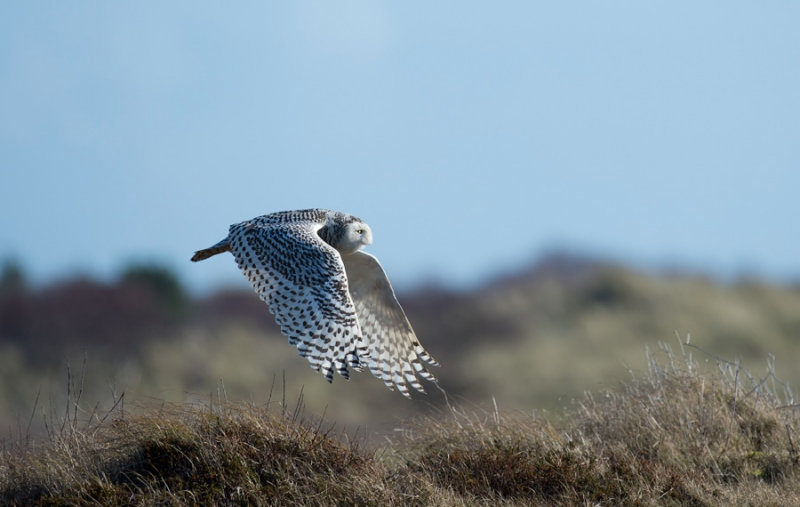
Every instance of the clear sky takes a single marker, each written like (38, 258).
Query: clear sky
(471, 136)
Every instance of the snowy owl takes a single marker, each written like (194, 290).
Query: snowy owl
(330, 299)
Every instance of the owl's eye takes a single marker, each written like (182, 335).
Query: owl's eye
(360, 231)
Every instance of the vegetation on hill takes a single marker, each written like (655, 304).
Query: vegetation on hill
(533, 339)
(678, 435)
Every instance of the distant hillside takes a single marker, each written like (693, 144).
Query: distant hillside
(565, 325)
(529, 340)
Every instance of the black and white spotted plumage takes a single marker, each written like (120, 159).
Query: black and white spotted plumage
(333, 301)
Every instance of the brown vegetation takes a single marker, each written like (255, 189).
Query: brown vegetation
(655, 434)
(676, 436)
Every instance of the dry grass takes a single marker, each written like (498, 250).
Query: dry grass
(192, 455)
(676, 436)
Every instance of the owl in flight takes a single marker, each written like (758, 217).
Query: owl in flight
(330, 299)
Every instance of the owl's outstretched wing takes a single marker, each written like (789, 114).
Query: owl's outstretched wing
(395, 354)
(303, 281)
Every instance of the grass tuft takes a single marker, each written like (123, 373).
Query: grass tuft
(239, 454)
(676, 436)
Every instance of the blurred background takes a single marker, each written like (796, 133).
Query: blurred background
(553, 188)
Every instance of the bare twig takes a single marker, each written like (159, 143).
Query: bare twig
(30, 420)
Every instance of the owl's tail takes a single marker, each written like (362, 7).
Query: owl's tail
(222, 246)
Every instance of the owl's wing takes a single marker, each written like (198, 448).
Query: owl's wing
(394, 350)
(303, 281)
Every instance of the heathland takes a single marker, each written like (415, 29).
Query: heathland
(561, 386)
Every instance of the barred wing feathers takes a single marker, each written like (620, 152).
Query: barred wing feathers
(303, 281)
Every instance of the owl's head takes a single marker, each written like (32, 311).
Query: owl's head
(355, 236)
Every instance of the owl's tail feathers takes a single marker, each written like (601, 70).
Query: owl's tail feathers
(222, 246)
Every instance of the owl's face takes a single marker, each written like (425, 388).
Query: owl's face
(356, 236)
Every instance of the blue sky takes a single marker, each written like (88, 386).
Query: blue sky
(471, 136)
